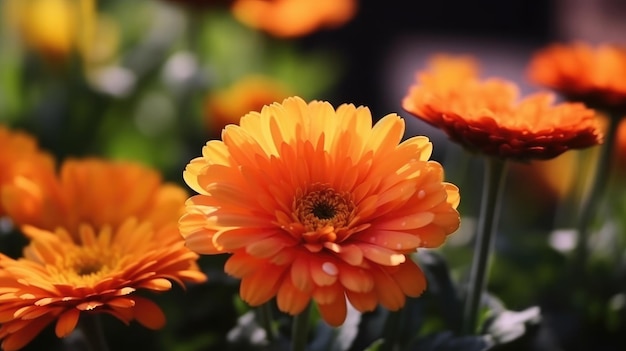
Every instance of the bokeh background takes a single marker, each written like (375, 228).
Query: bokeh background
(152, 81)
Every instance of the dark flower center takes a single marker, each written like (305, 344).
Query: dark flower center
(89, 268)
(323, 210)
(323, 207)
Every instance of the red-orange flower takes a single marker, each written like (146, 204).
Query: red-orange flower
(293, 18)
(61, 278)
(595, 75)
(96, 192)
(20, 157)
(249, 94)
(486, 116)
(315, 204)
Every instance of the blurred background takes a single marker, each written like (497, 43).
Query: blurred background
(153, 80)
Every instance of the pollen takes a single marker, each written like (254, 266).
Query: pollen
(323, 207)
(85, 265)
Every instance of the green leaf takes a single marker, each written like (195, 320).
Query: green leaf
(308, 74)
(370, 328)
(10, 84)
(375, 346)
(442, 288)
(231, 49)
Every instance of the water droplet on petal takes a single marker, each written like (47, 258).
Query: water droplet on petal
(330, 268)
(421, 194)
(398, 246)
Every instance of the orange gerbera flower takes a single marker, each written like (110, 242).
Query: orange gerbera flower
(581, 72)
(60, 278)
(20, 157)
(249, 94)
(315, 204)
(486, 116)
(96, 192)
(293, 18)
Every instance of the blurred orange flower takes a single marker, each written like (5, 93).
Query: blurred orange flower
(445, 72)
(60, 278)
(95, 192)
(315, 204)
(249, 94)
(486, 116)
(595, 75)
(20, 157)
(293, 18)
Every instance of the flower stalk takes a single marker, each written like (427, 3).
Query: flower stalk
(264, 316)
(300, 330)
(91, 326)
(591, 202)
(390, 331)
(493, 186)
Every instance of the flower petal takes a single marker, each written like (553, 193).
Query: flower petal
(333, 313)
(381, 255)
(148, 313)
(261, 285)
(364, 302)
(290, 299)
(67, 322)
(409, 278)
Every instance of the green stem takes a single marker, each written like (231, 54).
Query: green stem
(493, 186)
(264, 316)
(590, 203)
(300, 330)
(91, 326)
(390, 331)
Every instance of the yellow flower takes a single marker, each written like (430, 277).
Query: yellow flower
(317, 204)
(66, 274)
(249, 94)
(595, 75)
(96, 192)
(486, 116)
(293, 18)
(20, 157)
(55, 29)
